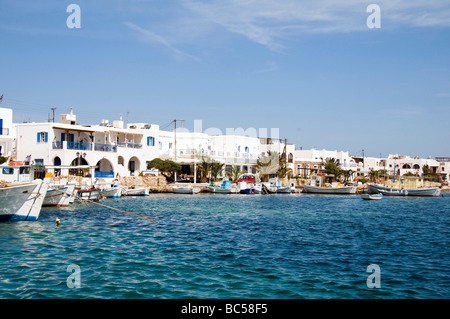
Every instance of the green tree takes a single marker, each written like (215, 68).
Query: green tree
(373, 175)
(235, 173)
(332, 166)
(267, 164)
(204, 169)
(216, 169)
(166, 167)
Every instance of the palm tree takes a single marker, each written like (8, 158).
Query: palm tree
(204, 168)
(235, 173)
(267, 164)
(216, 169)
(373, 175)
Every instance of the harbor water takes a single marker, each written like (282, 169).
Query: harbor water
(231, 246)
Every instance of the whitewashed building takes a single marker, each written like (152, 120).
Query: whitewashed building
(7, 132)
(101, 151)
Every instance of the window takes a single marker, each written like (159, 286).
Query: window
(24, 170)
(42, 137)
(39, 161)
(8, 171)
(150, 141)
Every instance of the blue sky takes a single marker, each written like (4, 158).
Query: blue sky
(313, 69)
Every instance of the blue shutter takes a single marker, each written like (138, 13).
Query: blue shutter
(1, 126)
(153, 141)
(46, 137)
(39, 137)
(148, 140)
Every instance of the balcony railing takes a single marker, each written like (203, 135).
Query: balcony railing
(104, 174)
(79, 146)
(105, 147)
(129, 145)
(58, 145)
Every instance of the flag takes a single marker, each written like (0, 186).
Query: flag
(1, 98)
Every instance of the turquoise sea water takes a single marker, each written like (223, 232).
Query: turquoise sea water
(231, 246)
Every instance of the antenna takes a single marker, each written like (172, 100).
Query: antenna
(53, 111)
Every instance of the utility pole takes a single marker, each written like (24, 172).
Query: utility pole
(53, 116)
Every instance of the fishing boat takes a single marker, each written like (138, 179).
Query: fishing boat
(111, 192)
(22, 200)
(249, 188)
(136, 191)
(393, 192)
(59, 195)
(87, 194)
(372, 196)
(318, 187)
(283, 189)
(225, 188)
(186, 190)
(432, 192)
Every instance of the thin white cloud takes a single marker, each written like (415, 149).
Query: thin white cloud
(153, 38)
(272, 22)
(270, 66)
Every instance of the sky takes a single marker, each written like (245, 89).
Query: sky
(314, 69)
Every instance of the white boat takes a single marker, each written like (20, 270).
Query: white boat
(87, 194)
(186, 190)
(249, 188)
(136, 191)
(330, 190)
(434, 191)
(283, 189)
(111, 192)
(59, 195)
(318, 187)
(22, 201)
(393, 192)
(372, 196)
(225, 188)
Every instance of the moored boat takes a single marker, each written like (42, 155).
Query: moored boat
(337, 190)
(59, 195)
(111, 192)
(136, 191)
(22, 201)
(87, 194)
(393, 192)
(225, 188)
(186, 190)
(371, 196)
(318, 187)
(431, 192)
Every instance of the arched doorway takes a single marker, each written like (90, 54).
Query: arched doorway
(104, 169)
(57, 162)
(79, 161)
(134, 165)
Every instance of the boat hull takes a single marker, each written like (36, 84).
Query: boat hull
(427, 192)
(185, 190)
(58, 196)
(22, 201)
(219, 190)
(371, 196)
(136, 191)
(88, 195)
(113, 192)
(330, 190)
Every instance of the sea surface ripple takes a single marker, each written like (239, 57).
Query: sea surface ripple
(231, 246)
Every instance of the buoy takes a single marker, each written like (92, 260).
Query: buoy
(58, 222)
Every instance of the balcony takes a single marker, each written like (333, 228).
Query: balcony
(129, 145)
(80, 146)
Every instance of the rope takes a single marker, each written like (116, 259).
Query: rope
(117, 209)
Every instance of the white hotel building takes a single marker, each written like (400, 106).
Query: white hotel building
(105, 150)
